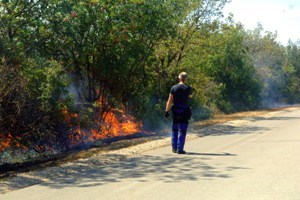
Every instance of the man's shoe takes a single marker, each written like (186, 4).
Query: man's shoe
(174, 150)
(181, 152)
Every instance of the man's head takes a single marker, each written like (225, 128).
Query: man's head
(182, 76)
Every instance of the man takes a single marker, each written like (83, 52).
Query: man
(181, 112)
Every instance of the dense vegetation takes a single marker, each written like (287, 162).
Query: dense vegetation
(88, 57)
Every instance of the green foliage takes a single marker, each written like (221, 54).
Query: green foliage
(222, 69)
(31, 86)
(292, 74)
(235, 71)
(117, 53)
(46, 82)
(30, 103)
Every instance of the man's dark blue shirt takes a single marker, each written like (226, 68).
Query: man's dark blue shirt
(181, 93)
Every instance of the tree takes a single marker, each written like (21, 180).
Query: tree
(232, 69)
(292, 74)
(170, 54)
(30, 85)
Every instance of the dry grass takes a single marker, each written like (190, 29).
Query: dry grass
(63, 158)
(223, 118)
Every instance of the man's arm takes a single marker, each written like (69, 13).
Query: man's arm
(191, 93)
(169, 103)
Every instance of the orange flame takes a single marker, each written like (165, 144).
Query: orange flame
(114, 126)
(116, 123)
(5, 142)
(9, 141)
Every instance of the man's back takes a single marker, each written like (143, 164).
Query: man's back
(181, 93)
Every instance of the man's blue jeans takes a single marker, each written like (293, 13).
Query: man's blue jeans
(178, 140)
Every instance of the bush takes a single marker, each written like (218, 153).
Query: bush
(31, 100)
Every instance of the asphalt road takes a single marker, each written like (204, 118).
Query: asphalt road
(259, 161)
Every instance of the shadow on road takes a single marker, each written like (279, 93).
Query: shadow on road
(227, 129)
(164, 168)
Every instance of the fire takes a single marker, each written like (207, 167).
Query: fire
(68, 116)
(116, 123)
(120, 126)
(5, 142)
(9, 141)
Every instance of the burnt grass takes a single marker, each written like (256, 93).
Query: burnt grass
(101, 146)
(78, 152)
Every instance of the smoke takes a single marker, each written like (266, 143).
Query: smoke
(75, 91)
(269, 68)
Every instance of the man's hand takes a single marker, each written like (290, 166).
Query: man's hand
(167, 114)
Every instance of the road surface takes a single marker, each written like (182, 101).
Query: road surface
(259, 160)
